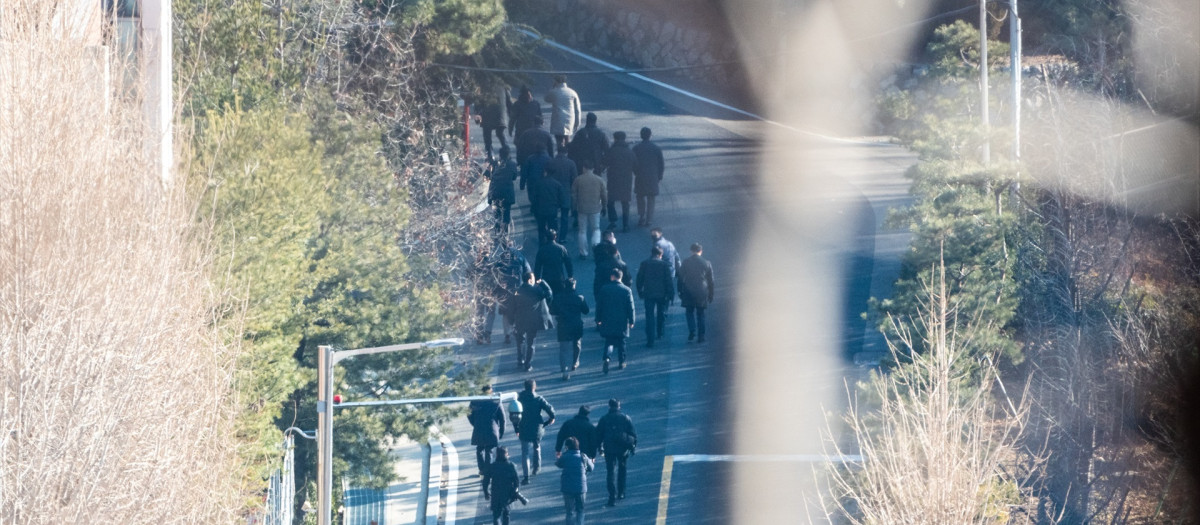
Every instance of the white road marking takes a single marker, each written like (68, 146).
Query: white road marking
(451, 480)
(767, 458)
(685, 92)
(664, 491)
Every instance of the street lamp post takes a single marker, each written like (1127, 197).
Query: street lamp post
(326, 359)
(983, 82)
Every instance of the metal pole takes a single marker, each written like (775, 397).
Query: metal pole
(1014, 39)
(157, 33)
(324, 435)
(466, 130)
(983, 81)
(326, 358)
(427, 400)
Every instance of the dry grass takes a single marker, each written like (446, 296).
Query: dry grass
(112, 382)
(933, 447)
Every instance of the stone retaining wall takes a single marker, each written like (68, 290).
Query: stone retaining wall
(655, 34)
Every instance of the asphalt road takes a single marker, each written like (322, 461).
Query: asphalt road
(687, 399)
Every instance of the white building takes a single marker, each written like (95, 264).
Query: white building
(134, 35)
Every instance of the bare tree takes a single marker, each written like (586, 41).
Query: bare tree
(371, 64)
(1101, 369)
(933, 450)
(113, 386)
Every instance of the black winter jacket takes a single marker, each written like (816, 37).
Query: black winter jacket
(533, 427)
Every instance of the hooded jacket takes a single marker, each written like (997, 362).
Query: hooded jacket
(575, 467)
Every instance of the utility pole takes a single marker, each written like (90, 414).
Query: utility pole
(327, 357)
(1014, 39)
(983, 81)
(158, 106)
(324, 434)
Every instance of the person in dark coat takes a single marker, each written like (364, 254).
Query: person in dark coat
(501, 194)
(615, 314)
(545, 201)
(605, 250)
(656, 288)
(523, 114)
(532, 428)
(505, 487)
(491, 113)
(533, 170)
(487, 427)
(619, 163)
(575, 466)
(607, 258)
(529, 141)
(531, 314)
(553, 263)
(512, 267)
(589, 145)
(562, 168)
(582, 429)
(648, 172)
(618, 441)
(695, 290)
(568, 309)
(564, 171)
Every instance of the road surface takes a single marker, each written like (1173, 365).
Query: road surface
(793, 269)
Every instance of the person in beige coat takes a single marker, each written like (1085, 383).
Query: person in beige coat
(588, 194)
(565, 111)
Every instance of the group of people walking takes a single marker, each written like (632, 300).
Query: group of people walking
(573, 177)
(560, 169)
(544, 296)
(577, 446)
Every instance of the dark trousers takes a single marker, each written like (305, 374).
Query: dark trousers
(616, 344)
(545, 222)
(656, 318)
(568, 355)
(645, 209)
(564, 222)
(487, 139)
(525, 347)
(484, 456)
(503, 216)
(499, 514)
(612, 213)
(695, 320)
(614, 464)
(531, 457)
(557, 286)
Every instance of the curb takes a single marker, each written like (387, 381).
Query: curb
(439, 469)
(430, 465)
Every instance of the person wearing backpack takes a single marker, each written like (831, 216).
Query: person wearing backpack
(618, 441)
